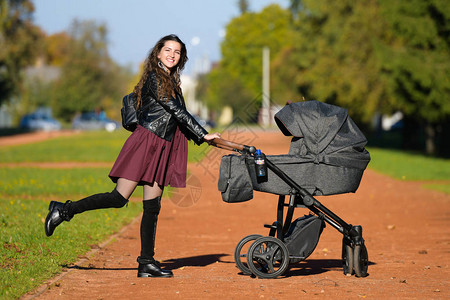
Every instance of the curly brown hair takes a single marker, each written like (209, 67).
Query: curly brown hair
(168, 82)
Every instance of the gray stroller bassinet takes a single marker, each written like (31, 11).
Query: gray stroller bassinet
(326, 157)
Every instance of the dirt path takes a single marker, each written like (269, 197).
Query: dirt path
(406, 229)
(33, 137)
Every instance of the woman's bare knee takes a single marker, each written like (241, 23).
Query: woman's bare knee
(126, 187)
(152, 191)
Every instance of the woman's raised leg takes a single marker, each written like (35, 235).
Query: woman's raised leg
(59, 212)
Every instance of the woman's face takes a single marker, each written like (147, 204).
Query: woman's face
(170, 54)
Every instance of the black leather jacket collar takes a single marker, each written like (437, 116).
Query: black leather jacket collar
(161, 115)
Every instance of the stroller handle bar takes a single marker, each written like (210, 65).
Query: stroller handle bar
(232, 146)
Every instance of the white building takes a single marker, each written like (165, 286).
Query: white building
(194, 106)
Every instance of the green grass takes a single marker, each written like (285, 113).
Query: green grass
(411, 166)
(59, 183)
(28, 257)
(445, 188)
(96, 146)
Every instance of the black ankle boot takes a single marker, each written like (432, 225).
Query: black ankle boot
(58, 212)
(153, 270)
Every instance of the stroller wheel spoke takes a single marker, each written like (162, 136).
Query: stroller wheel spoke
(270, 267)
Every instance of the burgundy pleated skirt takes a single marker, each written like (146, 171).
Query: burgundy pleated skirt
(146, 158)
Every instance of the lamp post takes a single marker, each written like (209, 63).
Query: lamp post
(265, 109)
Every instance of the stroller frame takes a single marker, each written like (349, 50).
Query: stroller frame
(268, 257)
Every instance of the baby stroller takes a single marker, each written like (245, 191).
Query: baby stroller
(326, 157)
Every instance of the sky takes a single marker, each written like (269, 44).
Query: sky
(134, 26)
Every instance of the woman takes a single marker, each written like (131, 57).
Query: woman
(155, 154)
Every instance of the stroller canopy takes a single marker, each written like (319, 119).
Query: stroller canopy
(323, 133)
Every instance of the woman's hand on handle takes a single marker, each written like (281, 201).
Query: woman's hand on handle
(211, 136)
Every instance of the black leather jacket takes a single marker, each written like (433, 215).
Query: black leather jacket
(161, 115)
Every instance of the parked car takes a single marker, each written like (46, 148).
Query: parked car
(41, 119)
(94, 121)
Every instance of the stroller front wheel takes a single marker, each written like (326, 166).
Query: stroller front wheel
(347, 257)
(268, 257)
(240, 255)
(361, 260)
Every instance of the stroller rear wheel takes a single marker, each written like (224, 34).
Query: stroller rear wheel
(240, 254)
(347, 257)
(361, 260)
(268, 257)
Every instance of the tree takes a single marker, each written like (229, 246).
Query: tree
(57, 48)
(416, 61)
(218, 89)
(237, 80)
(20, 44)
(375, 56)
(335, 55)
(245, 38)
(243, 6)
(90, 79)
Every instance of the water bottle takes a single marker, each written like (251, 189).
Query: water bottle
(260, 165)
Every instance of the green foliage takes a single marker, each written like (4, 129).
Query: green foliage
(243, 6)
(20, 43)
(416, 57)
(222, 89)
(89, 77)
(57, 47)
(245, 39)
(287, 76)
(335, 56)
(237, 82)
(377, 56)
(35, 93)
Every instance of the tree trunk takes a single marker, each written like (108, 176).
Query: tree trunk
(411, 135)
(430, 138)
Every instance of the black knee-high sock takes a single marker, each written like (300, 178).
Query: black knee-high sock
(97, 201)
(148, 229)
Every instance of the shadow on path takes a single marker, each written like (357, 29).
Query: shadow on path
(316, 266)
(192, 261)
(171, 264)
